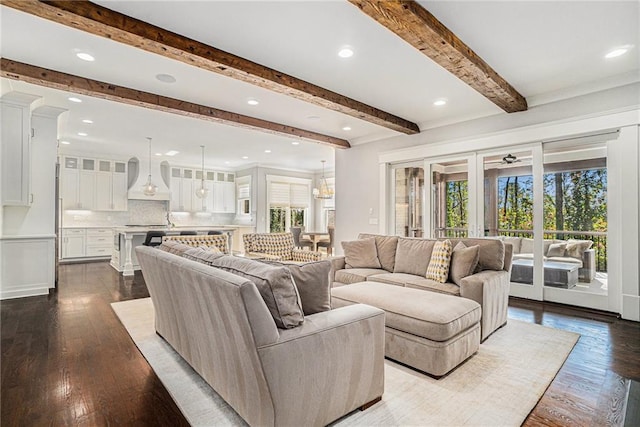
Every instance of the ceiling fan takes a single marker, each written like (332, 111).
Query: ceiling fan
(509, 159)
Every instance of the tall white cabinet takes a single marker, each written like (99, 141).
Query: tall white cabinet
(93, 184)
(185, 182)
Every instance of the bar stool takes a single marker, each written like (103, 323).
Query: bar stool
(215, 232)
(154, 238)
(189, 233)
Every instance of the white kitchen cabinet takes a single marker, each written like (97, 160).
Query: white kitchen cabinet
(183, 187)
(93, 184)
(224, 193)
(86, 243)
(73, 243)
(16, 148)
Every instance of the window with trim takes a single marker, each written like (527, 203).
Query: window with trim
(288, 201)
(243, 190)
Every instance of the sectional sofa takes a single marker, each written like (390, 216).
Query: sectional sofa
(270, 346)
(482, 275)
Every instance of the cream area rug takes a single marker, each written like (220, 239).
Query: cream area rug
(498, 386)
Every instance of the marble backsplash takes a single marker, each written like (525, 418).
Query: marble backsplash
(142, 212)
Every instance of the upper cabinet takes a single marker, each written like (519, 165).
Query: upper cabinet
(93, 184)
(16, 148)
(185, 182)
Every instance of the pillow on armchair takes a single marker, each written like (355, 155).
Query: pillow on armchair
(575, 248)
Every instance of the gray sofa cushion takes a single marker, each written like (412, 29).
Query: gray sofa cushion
(463, 262)
(361, 253)
(312, 281)
(416, 282)
(413, 255)
(575, 248)
(515, 242)
(355, 275)
(275, 285)
(556, 249)
(491, 256)
(202, 255)
(174, 247)
(386, 247)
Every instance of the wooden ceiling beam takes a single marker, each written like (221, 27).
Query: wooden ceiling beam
(98, 20)
(422, 30)
(54, 79)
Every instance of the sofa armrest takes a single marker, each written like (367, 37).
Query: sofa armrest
(337, 263)
(299, 255)
(490, 289)
(336, 356)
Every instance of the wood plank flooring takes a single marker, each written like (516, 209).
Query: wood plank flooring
(67, 360)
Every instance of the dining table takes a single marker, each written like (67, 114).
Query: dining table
(315, 237)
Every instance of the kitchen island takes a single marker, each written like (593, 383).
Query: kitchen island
(126, 239)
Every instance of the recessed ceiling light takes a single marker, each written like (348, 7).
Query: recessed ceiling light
(295, 143)
(87, 121)
(158, 154)
(313, 117)
(166, 78)
(619, 51)
(85, 56)
(245, 157)
(83, 134)
(253, 102)
(65, 142)
(267, 151)
(345, 52)
(347, 128)
(171, 153)
(74, 99)
(440, 102)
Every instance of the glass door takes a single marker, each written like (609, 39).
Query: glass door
(512, 213)
(408, 200)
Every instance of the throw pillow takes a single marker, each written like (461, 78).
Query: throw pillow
(312, 281)
(202, 254)
(576, 248)
(275, 285)
(413, 255)
(174, 247)
(386, 247)
(463, 262)
(438, 268)
(557, 249)
(361, 253)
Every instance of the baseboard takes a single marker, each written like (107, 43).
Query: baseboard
(631, 307)
(32, 291)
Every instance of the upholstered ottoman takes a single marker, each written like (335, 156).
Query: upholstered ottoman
(428, 331)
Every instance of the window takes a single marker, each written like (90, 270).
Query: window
(288, 201)
(243, 186)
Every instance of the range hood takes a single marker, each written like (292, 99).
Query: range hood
(137, 178)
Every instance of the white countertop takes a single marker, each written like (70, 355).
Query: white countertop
(176, 230)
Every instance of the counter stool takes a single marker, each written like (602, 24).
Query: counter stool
(189, 233)
(154, 238)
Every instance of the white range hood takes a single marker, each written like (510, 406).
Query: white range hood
(138, 174)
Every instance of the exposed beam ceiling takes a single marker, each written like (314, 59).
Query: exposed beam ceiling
(67, 82)
(423, 31)
(104, 22)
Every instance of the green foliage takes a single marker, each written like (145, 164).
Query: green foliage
(277, 219)
(457, 201)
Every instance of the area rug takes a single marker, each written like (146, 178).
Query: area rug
(498, 386)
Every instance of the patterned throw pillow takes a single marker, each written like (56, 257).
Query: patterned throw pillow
(438, 268)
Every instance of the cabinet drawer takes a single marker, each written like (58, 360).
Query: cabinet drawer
(99, 232)
(73, 232)
(99, 240)
(99, 250)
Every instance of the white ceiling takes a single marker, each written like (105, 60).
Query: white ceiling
(540, 47)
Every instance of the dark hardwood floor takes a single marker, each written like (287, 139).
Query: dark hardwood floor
(67, 360)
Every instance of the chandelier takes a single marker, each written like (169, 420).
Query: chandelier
(149, 189)
(203, 191)
(324, 192)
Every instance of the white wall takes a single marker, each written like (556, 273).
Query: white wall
(358, 170)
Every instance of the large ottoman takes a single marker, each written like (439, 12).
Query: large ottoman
(428, 331)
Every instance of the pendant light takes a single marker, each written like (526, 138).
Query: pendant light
(324, 192)
(203, 191)
(149, 189)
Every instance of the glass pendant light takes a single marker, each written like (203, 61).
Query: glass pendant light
(203, 191)
(149, 189)
(324, 192)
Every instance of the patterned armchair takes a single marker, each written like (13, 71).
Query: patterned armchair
(220, 241)
(276, 246)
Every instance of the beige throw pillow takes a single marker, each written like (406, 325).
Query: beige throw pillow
(275, 285)
(361, 253)
(438, 268)
(413, 255)
(556, 249)
(312, 281)
(463, 262)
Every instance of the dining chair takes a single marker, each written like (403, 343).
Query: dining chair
(327, 243)
(299, 242)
